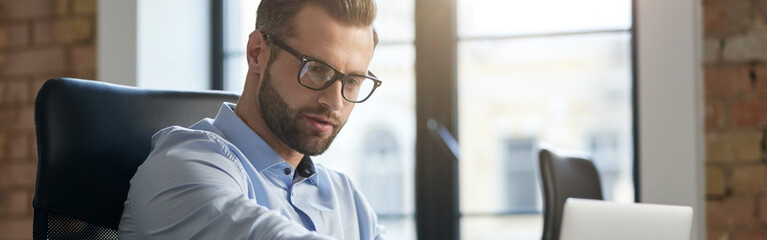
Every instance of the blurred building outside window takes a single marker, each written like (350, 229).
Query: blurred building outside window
(539, 72)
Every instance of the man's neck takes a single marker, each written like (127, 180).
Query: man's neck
(292, 157)
(258, 126)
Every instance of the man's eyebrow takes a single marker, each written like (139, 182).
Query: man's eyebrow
(365, 73)
(358, 73)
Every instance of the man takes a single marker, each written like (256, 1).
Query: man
(247, 173)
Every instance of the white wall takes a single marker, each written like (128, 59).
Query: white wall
(160, 44)
(117, 62)
(670, 112)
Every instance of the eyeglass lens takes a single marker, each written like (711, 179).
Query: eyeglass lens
(317, 75)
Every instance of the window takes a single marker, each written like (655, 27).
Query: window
(238, 21)
(533, 72)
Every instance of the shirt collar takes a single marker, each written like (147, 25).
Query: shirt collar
(306, 168)
(258, 152)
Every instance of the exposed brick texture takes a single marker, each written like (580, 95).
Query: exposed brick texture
(25, 9)
(2, 151)
(751, 234)
(763, 210)
(42, 33)
(16, 228)
(711, 51)
(18, 175)
(715, 182)
(714, 111)
(717, 235)
(18, 148)
(39, 39)
(18, 35)
(4, 36)
(33, 61)
(749, 179)
(70, 30)
(723, 18)
(14, 92)
(61, 7)
(83, 58)
(748, 46)
(730, 212)
(735, 89)
(734, 146)
(727, 80)
(17, 203)
(84, 6)
(25, 119)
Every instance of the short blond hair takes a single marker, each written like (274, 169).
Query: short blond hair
(277, 17)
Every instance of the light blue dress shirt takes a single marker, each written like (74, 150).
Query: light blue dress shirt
(219, 180)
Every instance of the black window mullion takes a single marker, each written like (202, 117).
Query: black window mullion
(217, 45)
(437, 208)
(635, 102)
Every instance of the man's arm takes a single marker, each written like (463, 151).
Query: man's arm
(368, 219)
(378, 231)
(192, 187)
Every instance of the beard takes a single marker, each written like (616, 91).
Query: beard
(283, 121)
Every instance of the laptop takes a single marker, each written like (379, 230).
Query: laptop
(599, 220)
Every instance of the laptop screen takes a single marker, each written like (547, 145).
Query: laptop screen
(600, 220)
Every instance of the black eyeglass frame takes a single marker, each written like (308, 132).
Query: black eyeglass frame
(337, 75)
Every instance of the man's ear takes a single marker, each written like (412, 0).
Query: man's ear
(255, 52)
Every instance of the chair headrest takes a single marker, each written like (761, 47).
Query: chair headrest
(91, 137)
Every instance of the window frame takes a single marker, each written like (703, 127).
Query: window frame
(217, 44)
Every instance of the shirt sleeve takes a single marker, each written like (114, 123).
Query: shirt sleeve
(191, 187)
(368, 217)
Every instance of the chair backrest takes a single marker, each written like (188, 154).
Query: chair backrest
(564, 177)
(91, 137)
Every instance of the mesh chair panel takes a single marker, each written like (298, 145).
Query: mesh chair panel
(63, 227)
(49, 225)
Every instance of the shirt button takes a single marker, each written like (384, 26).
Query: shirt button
(287, 171)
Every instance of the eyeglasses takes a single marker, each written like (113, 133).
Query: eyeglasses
(317, 75)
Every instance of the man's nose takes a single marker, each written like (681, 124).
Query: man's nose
(331, 97)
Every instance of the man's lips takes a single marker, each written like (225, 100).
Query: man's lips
(320, 123)
(321, 119)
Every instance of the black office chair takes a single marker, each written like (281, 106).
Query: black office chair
(564, 177)
(91, 137)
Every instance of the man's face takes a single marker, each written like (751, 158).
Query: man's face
(307, 120)
(288, 124)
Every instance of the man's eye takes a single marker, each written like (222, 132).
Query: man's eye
(353, 81)
(318, 69)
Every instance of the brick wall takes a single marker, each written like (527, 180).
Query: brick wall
(39, 39)
(735, 83)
